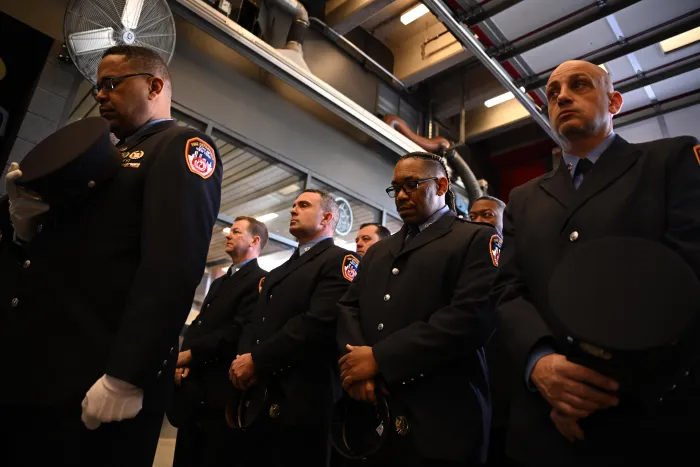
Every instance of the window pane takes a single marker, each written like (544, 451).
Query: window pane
(185, 120)
(353, 214)
(394, 224)
(257, 186)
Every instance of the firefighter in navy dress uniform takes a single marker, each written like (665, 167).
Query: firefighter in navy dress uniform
(202, 384)
(288, 345)
(93, 296)
(414, 322)
(603, 187)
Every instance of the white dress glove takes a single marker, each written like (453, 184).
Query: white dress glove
(23, 207)
(110, 400)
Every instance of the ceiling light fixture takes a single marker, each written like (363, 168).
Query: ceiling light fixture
(289, 189)
(602, 66)
(226, 231)
(501, 99)
(681, 40)
(267, 217)
(414, 13)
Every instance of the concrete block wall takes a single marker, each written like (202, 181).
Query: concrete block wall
(49, 108)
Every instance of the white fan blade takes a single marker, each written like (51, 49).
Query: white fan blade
(90, 41)
(131, 13)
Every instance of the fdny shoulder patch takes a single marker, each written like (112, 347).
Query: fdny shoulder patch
(495, 245)
(262, 279)
(350, 264)
(136, 155)
(696, 150)
(200, 157)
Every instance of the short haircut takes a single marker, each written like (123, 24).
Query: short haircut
(501, 204)
(328, 204)
(145, 60)
(382, 231)
(256, 229)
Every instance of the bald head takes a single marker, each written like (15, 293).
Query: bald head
(581, 103)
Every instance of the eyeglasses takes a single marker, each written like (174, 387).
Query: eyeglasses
(110, 82)
(408, 187)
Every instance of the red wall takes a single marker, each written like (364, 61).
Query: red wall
(521, 165)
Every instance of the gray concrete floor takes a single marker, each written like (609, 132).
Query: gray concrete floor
(166, 446)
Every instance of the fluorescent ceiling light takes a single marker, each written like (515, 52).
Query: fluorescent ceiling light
(414, 13)
(289, 189)
(501, 99)
(267, 217)
(225, 269)
(681, 40)
(226, 230)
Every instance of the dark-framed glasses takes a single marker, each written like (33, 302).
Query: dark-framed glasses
(408, 187)
(108, 83)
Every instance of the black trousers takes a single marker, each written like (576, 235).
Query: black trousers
(274, 445)
(207, 441)
(34, 436)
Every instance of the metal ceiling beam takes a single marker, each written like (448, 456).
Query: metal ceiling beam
(672, 104)
(479, 14)
(565, 25)
(266, 57)
(352, 13)
(467, 39)
(631, 44)
(658, 74)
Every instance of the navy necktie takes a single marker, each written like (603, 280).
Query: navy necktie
(582, 168)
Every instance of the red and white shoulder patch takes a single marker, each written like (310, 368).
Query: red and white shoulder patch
(200, 157)
(495, 245)
(696, 150)
(350, 265)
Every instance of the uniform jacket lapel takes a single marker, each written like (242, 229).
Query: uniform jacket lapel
(559, 184)
(436, 230)
(277, 275)
(213, 291)
(613, 163)
(396, 241)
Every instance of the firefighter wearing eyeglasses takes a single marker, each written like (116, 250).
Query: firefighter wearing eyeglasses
(412, 326)
(93, 311)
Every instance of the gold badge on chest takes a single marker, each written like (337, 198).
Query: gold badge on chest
(128, 157)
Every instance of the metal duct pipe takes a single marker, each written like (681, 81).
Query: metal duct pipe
(442, 147)
(297, 31)
(461, 168)
(465, 37)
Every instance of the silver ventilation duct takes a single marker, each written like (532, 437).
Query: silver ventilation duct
(293, 49)
(460, 166)
(268, 58)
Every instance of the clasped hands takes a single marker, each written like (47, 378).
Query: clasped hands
(242, 372)
(573, 391)
(357, 371)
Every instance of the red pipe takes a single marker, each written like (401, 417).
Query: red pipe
(436, 145)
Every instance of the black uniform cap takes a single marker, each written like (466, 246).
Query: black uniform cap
(625, 294)
(360, 429)
(71, 162)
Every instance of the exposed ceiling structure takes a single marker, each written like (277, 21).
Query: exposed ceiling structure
(529, 38)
